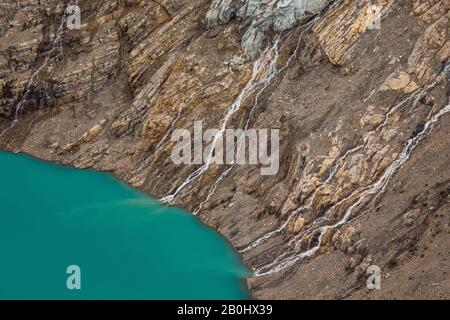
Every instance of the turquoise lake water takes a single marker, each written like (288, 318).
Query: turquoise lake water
(126, 244)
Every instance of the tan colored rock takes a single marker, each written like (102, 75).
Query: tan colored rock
(343, 27)
(371, 117)
(328, 237)
(299, 224)
(152, 67)
(87, 137)
(399, 81)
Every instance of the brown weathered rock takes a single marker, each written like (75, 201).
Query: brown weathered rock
(345, 104)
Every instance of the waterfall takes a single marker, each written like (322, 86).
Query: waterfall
(266, 81)
(148, 162)
(361, 195)
(263, 72)
(415, 96)
(55, 45)
(262, 16)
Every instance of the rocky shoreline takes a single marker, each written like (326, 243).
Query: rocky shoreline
(346, 98)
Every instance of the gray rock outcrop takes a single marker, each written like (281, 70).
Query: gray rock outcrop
(261, 17)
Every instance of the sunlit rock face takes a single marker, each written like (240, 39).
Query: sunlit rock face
(261, 17)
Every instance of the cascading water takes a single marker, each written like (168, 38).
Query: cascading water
(267, 236)
(152, 158)
(361, 195)
(55, 45)
(273, 72)
(263, 72)
(213, 189)
(415, 96)
(262, 16)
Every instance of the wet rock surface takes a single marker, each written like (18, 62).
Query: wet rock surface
(364, 174)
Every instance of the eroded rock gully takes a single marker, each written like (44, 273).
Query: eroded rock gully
(364, 175)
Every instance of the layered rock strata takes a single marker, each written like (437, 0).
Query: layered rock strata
(364, 174)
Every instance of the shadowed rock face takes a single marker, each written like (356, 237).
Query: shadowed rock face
(262, 16)
(347, 100)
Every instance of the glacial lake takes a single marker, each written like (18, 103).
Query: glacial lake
(80, 234)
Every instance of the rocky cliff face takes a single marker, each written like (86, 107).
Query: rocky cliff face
(261, 16)
(363, 115)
